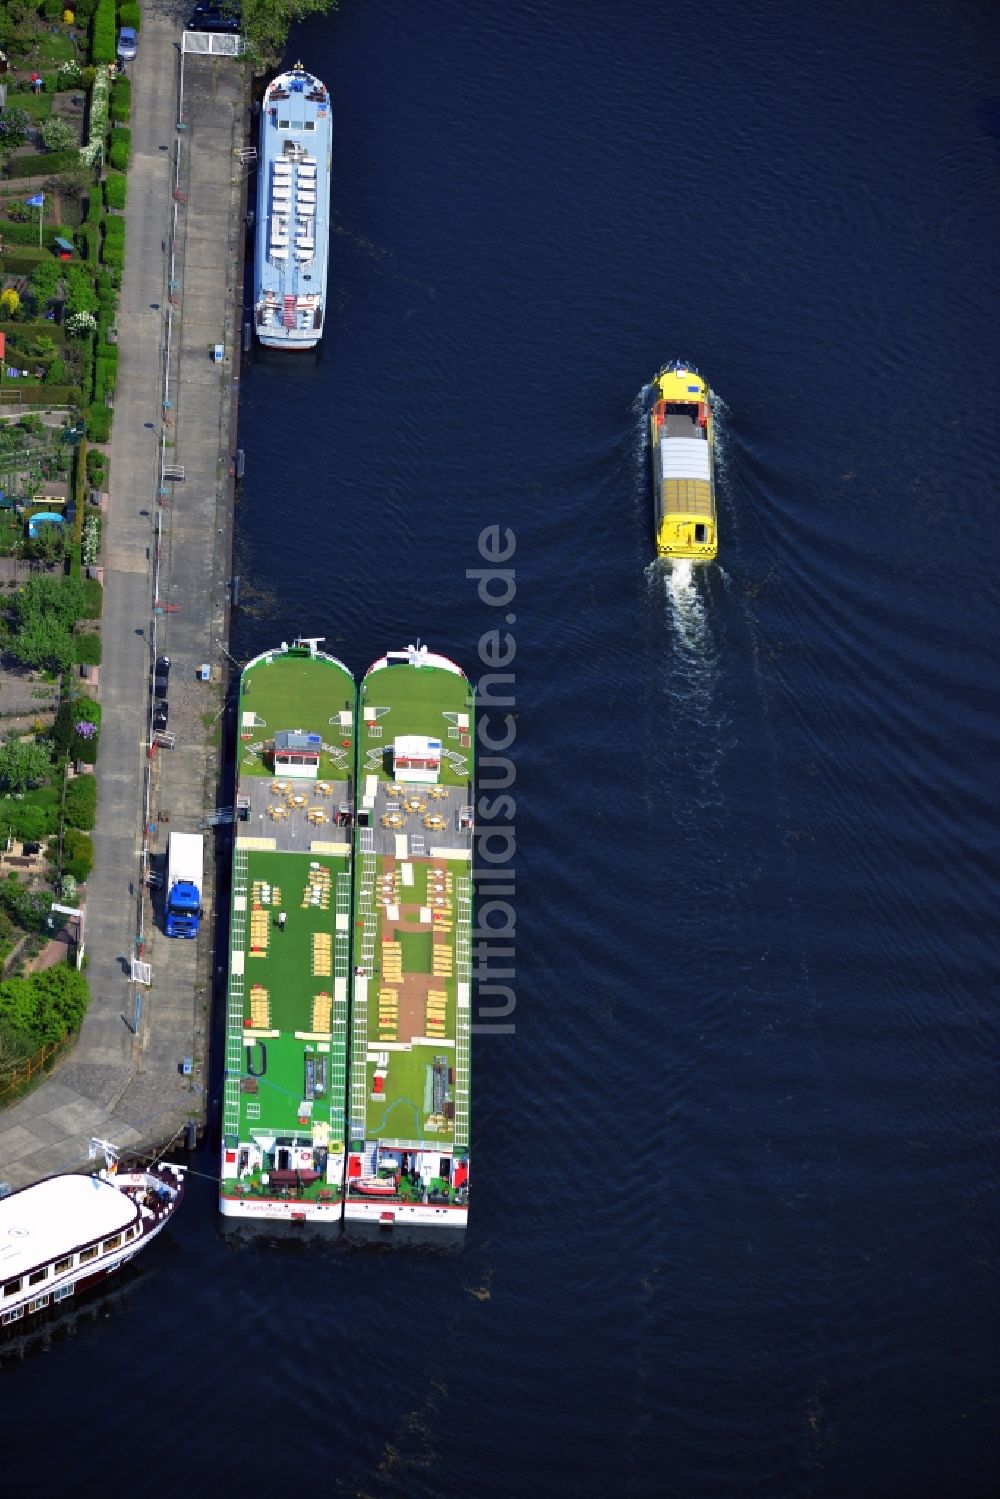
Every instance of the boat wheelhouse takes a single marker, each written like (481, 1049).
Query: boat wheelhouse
(289, 962)
(64, 1234)
(681, 438)
(409, 1090)
(293, 211)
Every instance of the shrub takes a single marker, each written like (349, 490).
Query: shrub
(81, 802)
(75, 733)
(80, 293)
(56, 373)
(87, 649)
(96, 468)
(70, 75)
(116, 190)
(128, 14)
(78, 853)
(46, 1006)
(44, 280)
(26, 821)
(121, 148)
(14, 126)
(58, 135)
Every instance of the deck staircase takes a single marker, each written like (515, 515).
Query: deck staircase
(289, 316)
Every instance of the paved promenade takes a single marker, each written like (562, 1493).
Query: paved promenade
(180, 296)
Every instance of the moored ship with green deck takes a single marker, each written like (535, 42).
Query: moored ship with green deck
(283, 1127)
(408, 1156)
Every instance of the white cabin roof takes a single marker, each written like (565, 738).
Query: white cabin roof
(47, 1220)
(684, 458)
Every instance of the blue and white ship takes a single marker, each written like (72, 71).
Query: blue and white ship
(293, 212)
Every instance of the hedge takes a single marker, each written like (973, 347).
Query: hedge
(99, 422)
(78, 851)
(105, 373)
(27, 234)
(114, 242)
(87, 649)
(22, 261)
(46, 164)
(121, 100)
(32, 393)
(81, 802)
(103, 39)
(121, 148)
(115, 190)
(33, 329)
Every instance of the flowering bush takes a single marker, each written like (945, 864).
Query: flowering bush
(93, 152)
(80, 324)
(57, 135)
(85, 729)
(70, 74)
(91, 540)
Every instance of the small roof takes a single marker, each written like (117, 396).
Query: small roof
(418, 745)
(297, 739)
(55, 1216)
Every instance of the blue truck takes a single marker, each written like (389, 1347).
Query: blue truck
(185, 872)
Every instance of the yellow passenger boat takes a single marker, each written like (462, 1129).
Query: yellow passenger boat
(683, 466)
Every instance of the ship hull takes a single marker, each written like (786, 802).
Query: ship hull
(293, 213)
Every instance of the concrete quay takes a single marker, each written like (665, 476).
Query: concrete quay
(167, 560)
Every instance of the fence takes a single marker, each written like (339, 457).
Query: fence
(21, 1076)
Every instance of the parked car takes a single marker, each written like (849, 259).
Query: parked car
(214, 18)
(126, 44)
(161, 712)
(161, 676)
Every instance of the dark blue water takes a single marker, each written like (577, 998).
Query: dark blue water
(735, 1218)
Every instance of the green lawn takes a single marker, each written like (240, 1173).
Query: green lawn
(55, 46)
(296, 692)
(402, 1113)
(38, 106)
(285, 970)
(418, 701)
(416, 950)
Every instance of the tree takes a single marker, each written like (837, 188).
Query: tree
(44, 280)
(72, 183)
(265, 22)
(48, 543)
(44, 612)
(14, 126)
(23, 763)
(10, 303)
